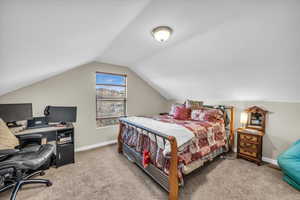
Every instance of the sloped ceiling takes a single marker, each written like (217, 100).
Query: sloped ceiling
(41, 38)
(220, 50)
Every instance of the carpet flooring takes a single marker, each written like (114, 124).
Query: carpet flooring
(103, 174)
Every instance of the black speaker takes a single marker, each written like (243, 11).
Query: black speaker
(37, 122)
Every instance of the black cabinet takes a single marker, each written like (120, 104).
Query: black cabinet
(65, 147)
(65, 154)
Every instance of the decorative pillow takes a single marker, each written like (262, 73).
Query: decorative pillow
(7, 139)
(182, 113)
(198, 115)
(210, 115)
(194, 105)
(173, 107)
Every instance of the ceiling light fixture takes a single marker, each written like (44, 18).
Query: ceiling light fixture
(162, 33)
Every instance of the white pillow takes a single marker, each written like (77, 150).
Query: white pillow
(197, 115)
(173, 108)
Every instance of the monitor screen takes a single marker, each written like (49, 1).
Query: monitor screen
(15, 112)
(61, 114)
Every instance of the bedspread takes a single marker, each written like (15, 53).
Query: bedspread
(209, 138)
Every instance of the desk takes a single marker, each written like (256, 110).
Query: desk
(63, 138)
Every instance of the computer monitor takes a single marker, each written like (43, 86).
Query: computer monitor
(61, 114)
(10, 113)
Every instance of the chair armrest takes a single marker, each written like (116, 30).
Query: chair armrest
(10, 166)
(7, 152)
(30, 139)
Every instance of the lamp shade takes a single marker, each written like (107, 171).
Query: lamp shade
(244, 118)
(162, 33)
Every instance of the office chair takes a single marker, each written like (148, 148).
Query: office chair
(18, 166)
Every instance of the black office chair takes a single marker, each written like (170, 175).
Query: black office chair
(18, 166)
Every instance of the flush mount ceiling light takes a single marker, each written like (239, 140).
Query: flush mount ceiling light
(162, 33)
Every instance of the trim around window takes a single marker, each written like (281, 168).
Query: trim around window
(111, 98)
(97, 72)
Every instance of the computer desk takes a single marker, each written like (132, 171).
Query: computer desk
(61, 136)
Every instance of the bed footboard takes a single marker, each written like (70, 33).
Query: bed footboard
(168, 182)
(173, 173)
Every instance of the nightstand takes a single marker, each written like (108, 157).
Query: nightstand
(250, 138)
(249, 144)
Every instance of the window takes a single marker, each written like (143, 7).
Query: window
(111, 94)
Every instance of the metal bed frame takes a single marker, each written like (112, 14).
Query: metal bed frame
(169, 182)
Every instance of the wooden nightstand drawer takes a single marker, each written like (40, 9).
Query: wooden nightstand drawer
(248, 152)
(249, 138)
(245, 145)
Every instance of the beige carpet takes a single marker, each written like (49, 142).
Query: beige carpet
(104, 174)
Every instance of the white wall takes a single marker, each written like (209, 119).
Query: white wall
(77, 88)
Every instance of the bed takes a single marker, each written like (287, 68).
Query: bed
(168, 149)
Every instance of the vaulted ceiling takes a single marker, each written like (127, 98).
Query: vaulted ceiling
(220, 50)
(39, 39)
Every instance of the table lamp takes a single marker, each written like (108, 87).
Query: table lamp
(244, 119)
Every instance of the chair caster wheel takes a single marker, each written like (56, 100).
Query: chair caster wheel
(42, 173)
(49, 184)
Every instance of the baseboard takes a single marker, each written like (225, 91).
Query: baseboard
(270, 160)
(93, 146)
(265, 159)
(102, 144)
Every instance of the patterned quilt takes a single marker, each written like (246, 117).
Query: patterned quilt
(210, 137)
